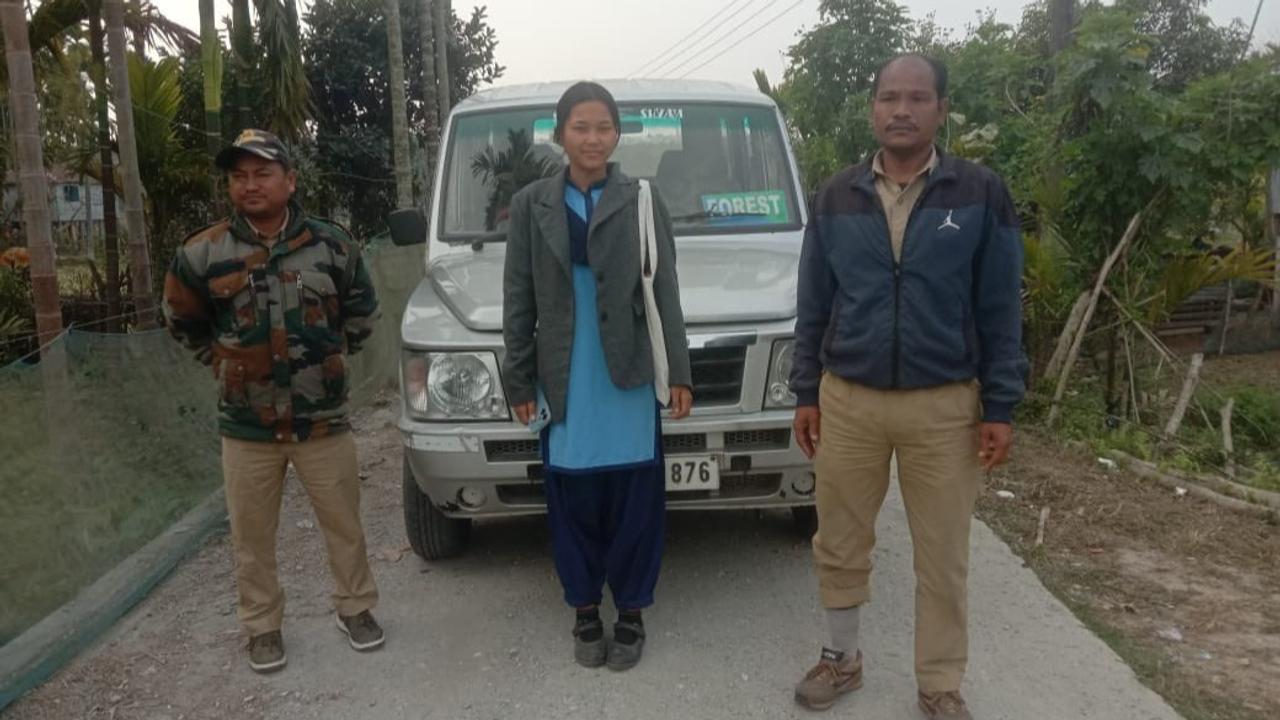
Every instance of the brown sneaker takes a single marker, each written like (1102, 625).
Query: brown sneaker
(363, 632)
(266, 652)
(833, 676)
(944, 706)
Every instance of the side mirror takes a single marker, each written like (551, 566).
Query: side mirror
(408, 227)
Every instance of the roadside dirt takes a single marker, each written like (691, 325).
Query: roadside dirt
(1187, 592)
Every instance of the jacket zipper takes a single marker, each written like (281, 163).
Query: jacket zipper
(897, 279)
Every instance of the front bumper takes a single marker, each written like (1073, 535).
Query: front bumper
(500, 467)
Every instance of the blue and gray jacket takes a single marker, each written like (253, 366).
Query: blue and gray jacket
(949, 311)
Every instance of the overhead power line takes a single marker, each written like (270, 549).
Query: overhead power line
(718, 41)
(648, 66)
(711, 39)
(743, 39)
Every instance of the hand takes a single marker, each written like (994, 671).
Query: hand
(681, 402)
(808, 428)
(525, 411)
(995, 439)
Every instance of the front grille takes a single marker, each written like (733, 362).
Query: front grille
(512, 450)
(717, 375)
(691, 443)
(530, 450)
(753, 440)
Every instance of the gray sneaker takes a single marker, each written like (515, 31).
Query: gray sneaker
(266, 652)
(624, 656)
(833, 676)
(362, 631)
(589, 653)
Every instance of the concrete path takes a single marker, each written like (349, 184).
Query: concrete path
(486, 636)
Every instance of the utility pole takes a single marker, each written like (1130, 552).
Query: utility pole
(135, 217)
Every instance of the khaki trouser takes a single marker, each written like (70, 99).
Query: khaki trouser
(254, 474)
(934, 433)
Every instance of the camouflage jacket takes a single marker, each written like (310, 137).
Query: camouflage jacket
(275, 323)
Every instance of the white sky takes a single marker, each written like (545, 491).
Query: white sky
(574, 39)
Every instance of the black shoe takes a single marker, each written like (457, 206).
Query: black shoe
(626, 655)
(589, 653)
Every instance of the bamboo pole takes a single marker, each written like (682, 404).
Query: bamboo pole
(1184, 398)
(1074, 353)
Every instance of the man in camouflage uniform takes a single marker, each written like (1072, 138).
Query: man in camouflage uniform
(274, 300)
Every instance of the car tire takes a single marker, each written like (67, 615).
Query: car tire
(432, 535)
(804, 520)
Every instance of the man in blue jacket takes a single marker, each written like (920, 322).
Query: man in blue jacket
(908, 342)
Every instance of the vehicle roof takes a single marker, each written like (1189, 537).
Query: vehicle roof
(624, 91)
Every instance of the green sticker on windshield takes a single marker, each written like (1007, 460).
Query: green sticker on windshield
(764, 207)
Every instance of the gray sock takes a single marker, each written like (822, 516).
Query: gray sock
(843, 625)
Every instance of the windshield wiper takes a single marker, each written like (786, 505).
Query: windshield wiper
(479, 241)
(704, 215)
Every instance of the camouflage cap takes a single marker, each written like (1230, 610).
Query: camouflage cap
(253, 142)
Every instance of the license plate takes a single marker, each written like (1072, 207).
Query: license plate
(693, 473)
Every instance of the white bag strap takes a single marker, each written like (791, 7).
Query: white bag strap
(648, 233)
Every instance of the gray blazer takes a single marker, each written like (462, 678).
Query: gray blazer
(538, 304)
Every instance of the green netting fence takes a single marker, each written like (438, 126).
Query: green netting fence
(102, 456)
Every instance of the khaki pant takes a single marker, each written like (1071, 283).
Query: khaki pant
(934, 433)
(254, 474)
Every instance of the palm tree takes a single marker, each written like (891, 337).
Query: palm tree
(431, 109)
(134, 215)
(110, 224)
(509, 170)
(211, 69)
(441, 26)
(34, 185)
(399, 114)
(242, 56)
(288, 93)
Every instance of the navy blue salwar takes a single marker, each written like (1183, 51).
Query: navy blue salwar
(606, 491)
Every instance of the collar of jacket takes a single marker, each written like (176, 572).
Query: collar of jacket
(295, 233)
(864, 177)
(619, 189)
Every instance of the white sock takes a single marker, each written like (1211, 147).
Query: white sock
(843, 626)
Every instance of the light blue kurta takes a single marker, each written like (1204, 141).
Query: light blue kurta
(605, 427)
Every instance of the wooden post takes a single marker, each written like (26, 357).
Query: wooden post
(110, 229)
(1184, 398)
(135, 217)
(1068, 334)
(1044, 519)
(1228, 445)
(1273, 227)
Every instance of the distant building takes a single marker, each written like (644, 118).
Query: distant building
(75, 203)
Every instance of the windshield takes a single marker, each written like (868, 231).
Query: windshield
(720, 168)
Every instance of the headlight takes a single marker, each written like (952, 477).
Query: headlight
(777, 393)
(453, 386)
